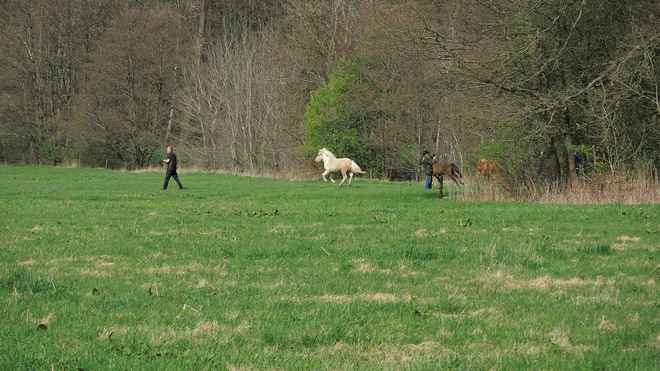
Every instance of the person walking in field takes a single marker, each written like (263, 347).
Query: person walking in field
(427, 161)
(171, 168)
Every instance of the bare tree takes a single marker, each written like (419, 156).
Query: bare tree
(129, 84)
(230, 101)
(43, 44)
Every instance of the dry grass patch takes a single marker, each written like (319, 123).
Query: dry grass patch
(233, 315)
(340, 347)
(343, 299)
(59, 261)
(48, 319)
(201, 284)
(243, 328)
(405, 354)
(627, 189)
(202, 331)
(203, 328)
(544, 282)
(112, 331)
(368, 268)
(102, 263)
(177, 269)
(655, 342)
(605, 324)
(626, 238)
(86, 272)
(530, 349)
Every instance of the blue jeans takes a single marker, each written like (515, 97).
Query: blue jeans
(429, 182)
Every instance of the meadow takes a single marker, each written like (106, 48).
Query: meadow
(103, 270)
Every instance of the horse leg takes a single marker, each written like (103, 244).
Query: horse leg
(330, 176)
(455, 179)
(326, 173)
(440, 179)
(457, 176)
(343, 173)
(349, 179)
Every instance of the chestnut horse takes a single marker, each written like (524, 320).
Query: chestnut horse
(487, 168)
(334, 164)
(440, 169)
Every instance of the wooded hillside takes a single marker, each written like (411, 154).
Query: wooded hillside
(259, 86)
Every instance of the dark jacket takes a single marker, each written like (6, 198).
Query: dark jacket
(427, 161)
(171, 166)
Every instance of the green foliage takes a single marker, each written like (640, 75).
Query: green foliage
(341, 117)
(51, 149)
(330, 121)
(589, 158)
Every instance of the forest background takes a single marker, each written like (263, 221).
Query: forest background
(258, 86)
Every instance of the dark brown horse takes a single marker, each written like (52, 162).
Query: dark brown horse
(440, 169)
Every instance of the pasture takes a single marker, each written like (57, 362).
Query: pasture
(102, 270)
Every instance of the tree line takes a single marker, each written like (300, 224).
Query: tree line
(260, 85)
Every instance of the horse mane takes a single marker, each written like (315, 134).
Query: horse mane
(326, 152)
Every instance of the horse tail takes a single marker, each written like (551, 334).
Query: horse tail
(457, 170)
(355, 168)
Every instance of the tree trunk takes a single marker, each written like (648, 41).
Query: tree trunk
(569, 160)
(169, 121)
(201, 29)
(553, 155)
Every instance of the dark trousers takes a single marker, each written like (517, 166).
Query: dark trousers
(173, 174)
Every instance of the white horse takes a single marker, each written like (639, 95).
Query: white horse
(334, 164)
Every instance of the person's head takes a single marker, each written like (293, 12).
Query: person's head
(169, 149)
(426, 152)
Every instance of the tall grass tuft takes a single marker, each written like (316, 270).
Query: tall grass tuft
(600, 189)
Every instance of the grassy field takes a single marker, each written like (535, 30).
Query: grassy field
(102, 270)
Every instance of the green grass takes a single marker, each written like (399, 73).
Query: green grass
(103, 270)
